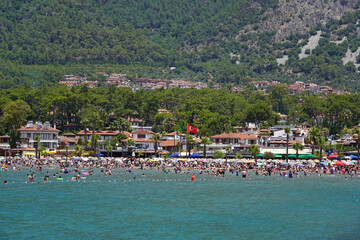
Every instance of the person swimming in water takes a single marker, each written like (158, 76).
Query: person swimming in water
(46, 177)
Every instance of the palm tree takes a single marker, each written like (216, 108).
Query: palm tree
(190, 142)
(287, 131)
(178, 132)
(121, 124)
(93, 119)
(227, 150)
(156, 137)
(344, 131)
(298, 146)
(79, 150)
(205, 141)
(322, 144)
(121, 137)
(42, 151)
(108, 149)
(356, 132)
(339, 148)
(168, 123)
(95, 142)
(130, 142)
(254, 150)
(37, 139)
(313, 137)
(86, 123)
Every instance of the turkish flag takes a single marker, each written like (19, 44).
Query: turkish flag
(191, 129)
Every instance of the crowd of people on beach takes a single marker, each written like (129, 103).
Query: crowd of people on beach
(81, 168)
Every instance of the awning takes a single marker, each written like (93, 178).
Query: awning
(29, 154)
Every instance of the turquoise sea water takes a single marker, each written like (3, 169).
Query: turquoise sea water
(170, 206)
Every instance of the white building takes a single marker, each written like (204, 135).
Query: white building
(143, 139)
(236, 141)
(48, 135)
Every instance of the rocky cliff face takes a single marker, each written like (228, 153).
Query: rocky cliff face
(292, 16)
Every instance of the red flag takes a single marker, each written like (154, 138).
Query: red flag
(191, 129)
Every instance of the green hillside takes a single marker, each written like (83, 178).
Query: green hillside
(218, 41)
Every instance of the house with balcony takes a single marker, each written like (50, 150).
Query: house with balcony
(236, 141)
(138, 124)
(279, 137)
(283, 118)
(105, 136)
(48, 136)
(143, 139)
(4, 141)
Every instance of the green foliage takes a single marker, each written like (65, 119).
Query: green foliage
(40, 41)
(268, 155)
(218, 154)
(254, 150)
(79, 150)
(14, 116)
(43, 32)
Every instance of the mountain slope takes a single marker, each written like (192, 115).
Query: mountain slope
(219, 41)
(43, 32)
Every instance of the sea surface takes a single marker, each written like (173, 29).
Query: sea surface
(170, 206)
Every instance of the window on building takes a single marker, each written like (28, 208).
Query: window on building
(141, 136)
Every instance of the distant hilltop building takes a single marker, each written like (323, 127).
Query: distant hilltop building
(122, 80)
(73, 80)
(298, 87)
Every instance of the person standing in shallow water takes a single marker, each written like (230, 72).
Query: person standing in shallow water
(193, 177)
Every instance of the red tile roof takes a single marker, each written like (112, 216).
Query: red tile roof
(169, 143)
(101, 133)
(143, 132)
(241, 136)
(34, 128)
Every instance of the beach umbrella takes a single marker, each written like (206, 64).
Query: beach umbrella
(334, 155)
(292, 156)
(260, 155)
(324, 163)
(277, 155)
(340, 163)
(353, 157)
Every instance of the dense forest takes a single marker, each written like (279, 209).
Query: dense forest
(212, 111)
(205, 40)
